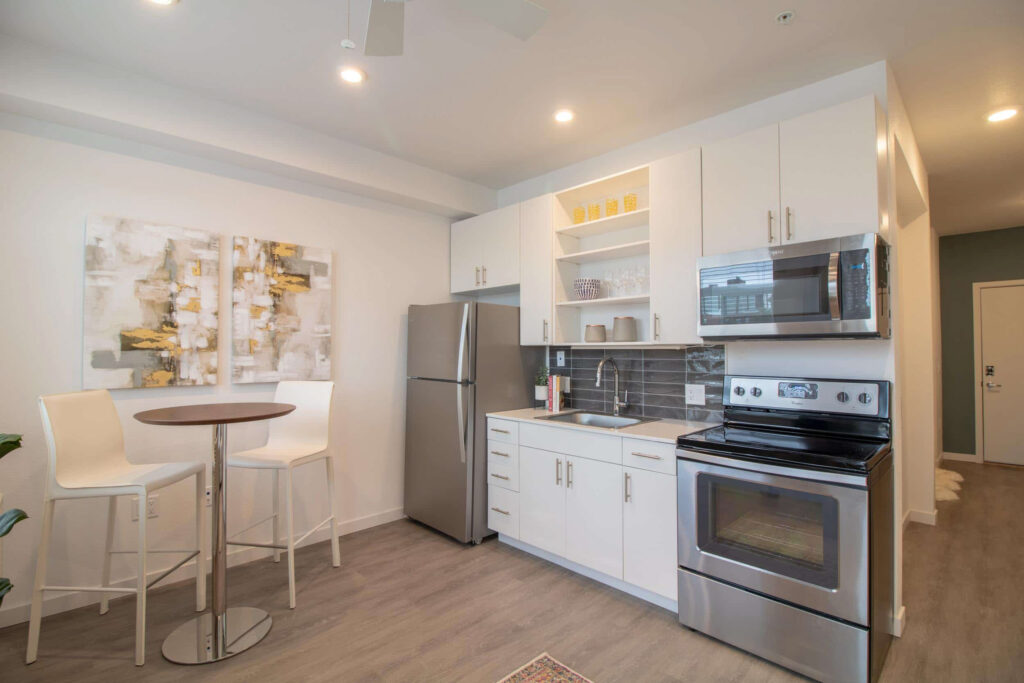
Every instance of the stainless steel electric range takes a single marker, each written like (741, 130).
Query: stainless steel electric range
(786, 524)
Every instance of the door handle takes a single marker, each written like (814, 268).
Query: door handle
(558, 471)
(500, 476)
(568, 474)
(833, 286)
(771, 235)
(646, 455)
(993, 385)
(657, 326)
(506, 455)
(499, 510)
(545, 330)
(460, 417)
(789, 223)
(483, 269)
(500, 431)
(477, 276)
(627, 487)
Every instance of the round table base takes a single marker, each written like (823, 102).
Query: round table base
(192, 642)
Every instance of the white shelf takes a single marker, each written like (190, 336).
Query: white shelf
(615, 345)
(608, 301)
(608, 253)
(600, 226)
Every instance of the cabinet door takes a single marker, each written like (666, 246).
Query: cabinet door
(593, 515)
(675, 247)
(542, 499)
(535, 238)
(649, 531)
(741, 192)
(499, 261)
(829, 167)
(466, 240)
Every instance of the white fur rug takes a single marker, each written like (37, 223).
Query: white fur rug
(947, 483)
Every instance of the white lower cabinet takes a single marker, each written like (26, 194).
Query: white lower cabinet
(649, 531)
(503, 511)
(593, 515)
(542, 499)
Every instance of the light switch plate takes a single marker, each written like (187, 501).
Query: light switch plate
(560, 358)
(694, 394)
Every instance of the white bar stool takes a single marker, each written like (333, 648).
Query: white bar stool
(298, 438)
(87, 460)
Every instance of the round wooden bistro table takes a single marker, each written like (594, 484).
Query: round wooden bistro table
(221, 632)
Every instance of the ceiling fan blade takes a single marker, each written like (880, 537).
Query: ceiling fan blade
(521, 18)
(385, 29)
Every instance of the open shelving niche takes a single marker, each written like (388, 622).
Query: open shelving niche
(593, 249)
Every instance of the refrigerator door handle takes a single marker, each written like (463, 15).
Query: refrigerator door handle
(458, 387)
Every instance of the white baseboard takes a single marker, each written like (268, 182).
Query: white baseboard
(635, 591)
(962, 457)
(921, 517)
(62, 602)
(899, 621)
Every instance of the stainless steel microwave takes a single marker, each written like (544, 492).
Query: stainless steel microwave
(829, 288)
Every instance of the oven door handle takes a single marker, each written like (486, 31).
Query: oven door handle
(833, 286)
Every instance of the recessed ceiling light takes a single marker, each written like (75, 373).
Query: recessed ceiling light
(785, 17)
(350, 74)
(1002, 114)
(164, 2)
(564, 115)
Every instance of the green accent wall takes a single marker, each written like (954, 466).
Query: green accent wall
(964, 260)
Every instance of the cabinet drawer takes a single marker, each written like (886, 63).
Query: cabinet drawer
(502, 473)
(502, 452)
(503, 511)
(656, 456)
(503, 430)
(602, 447)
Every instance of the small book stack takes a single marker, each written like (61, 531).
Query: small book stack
(558, 387)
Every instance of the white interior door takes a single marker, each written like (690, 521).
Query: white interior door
(1002, 361)
(593, 515)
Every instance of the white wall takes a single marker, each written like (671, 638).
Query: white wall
(385, 258)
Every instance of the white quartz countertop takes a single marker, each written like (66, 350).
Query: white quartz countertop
(659, 430)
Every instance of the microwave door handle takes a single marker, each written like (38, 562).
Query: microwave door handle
(833, 286)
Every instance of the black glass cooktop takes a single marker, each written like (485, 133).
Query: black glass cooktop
(789, 448)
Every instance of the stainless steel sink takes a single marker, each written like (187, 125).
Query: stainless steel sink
(597, 419)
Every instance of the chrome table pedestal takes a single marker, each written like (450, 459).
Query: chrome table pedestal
(221, 632)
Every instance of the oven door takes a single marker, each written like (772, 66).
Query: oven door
(799, 540)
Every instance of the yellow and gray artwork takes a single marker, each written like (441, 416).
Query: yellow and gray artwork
(281, 311)
(150, 305)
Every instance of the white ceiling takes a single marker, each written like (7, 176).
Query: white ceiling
(476, 103)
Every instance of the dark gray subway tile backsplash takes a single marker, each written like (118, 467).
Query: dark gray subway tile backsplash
(656, 380)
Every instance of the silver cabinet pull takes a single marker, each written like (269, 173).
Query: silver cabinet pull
(505, 455)
(558, 471)
(993, 385)
(478, 276)
(500, 511)
(545, 330)
(771, 235)
(646, 455)
(657, 326)
(789, 223)
(568, 474)
(483, 269)
(627, 487)
(500, 476)
(500, 431)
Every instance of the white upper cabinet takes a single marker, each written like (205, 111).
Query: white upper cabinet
(593, 515)
(829, 165)
(675, 247)
(485, 251)
(741, 192)
(535, 264)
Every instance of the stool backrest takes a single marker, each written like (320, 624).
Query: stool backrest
(83, 434)
(308, 424)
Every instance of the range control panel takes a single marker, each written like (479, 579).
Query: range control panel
(851, 397)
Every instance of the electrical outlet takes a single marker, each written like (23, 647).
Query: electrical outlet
(694, 394)
(560, 358)
(209, 496)
(152, 509)
(135, 508)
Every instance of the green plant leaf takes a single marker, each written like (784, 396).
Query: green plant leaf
(9, 518)
(8, 443)
(5, 588)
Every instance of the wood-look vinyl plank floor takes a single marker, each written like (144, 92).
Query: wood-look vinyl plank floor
(408, 604)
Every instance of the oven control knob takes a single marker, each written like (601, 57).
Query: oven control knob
(739, 391)
(864, 398)
(842, 397)
(755, 392)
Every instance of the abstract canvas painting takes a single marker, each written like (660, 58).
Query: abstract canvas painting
(281, 311)
(150, 305)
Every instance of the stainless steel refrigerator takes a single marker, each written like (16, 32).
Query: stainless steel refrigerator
(464, 360)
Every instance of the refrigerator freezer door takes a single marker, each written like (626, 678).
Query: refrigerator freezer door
(441, 339)
(438, 457)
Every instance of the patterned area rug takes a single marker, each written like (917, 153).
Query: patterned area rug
(544, 669)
